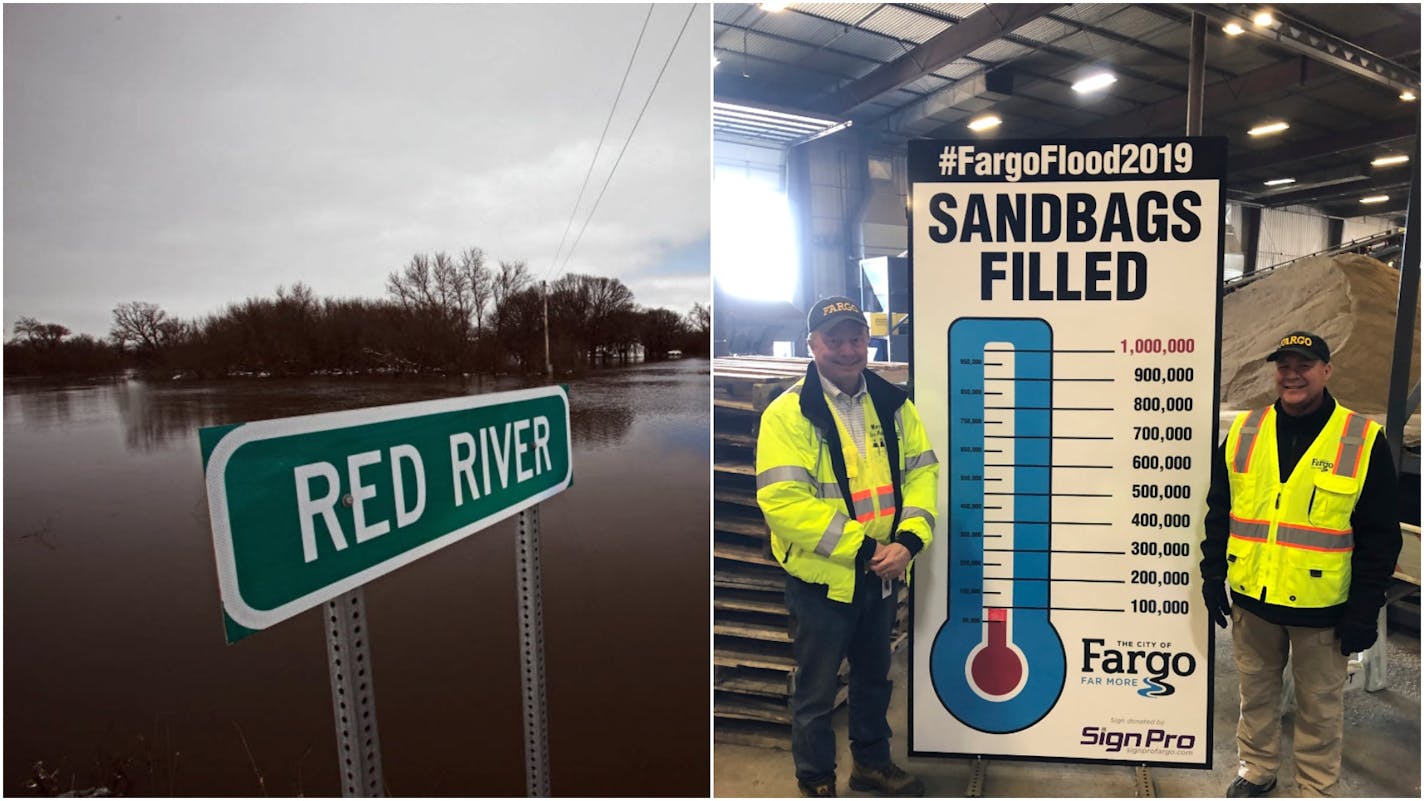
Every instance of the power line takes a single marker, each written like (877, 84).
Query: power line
(574, 211)
(619, 160)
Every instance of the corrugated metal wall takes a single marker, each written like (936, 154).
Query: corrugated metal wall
(1290, 233)
(1359, 227)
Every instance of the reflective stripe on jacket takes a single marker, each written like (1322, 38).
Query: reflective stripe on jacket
(822, 496)
(1290, 542)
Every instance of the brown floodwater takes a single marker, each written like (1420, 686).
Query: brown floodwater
(115, 668)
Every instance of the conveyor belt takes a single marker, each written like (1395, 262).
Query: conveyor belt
(1364, 244)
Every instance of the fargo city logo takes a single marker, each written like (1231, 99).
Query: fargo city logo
(1296, 340)
(1142, 665)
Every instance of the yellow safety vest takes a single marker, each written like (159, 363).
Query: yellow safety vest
(1291, 541)
(799, 493)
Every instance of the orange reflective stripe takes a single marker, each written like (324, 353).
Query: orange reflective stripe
(1315, 539)
(1241, 462)
(1352, 445)
(860, 501)
(886, 496)
(1253, 530)
(1240, 519)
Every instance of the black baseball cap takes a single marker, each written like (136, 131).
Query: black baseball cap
(1305, 343)
(831, 310)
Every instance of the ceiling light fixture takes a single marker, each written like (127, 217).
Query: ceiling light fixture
(1094, 82)
(1280, 181)
(1387, 161)
(1374, 199)
(753, 114)
(1232, 29)
(1263, 19)
(775, 6)
(984, 123)
(1408, 96)
(1268, 128)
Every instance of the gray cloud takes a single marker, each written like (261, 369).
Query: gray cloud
(195, 155)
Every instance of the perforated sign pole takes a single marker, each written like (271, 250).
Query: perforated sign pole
(353, 696)
(531, 650)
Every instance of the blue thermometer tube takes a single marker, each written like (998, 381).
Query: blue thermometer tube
(997, 663)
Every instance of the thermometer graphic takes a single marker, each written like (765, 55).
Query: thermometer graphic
(997, 663)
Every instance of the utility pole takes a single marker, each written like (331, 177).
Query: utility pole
(548, 365)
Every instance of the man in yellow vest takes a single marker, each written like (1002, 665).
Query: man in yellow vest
(848, 483)
(1303, 525)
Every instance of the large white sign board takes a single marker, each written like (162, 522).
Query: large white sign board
(1065, 305)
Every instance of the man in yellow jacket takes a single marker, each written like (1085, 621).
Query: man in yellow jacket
(848, 482)
(1303, 525)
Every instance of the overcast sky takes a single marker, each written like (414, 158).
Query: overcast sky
(195, 155)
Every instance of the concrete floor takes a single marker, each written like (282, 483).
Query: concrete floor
(1382, 749)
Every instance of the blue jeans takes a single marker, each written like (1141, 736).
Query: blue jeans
(822, 633)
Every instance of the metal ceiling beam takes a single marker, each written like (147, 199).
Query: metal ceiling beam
(1168, 114)
(1292, 73)
(1313, 43)
(1077, 56)
(1397, 204)
(978, 29)
(1368, 136)
(1334, 194)
(1256, 191)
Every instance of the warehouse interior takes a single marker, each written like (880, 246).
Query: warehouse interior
(814, 104)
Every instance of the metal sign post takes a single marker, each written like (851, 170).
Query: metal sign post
(531, 650)
(353, 696)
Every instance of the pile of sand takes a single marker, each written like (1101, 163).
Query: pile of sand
(1349, 300)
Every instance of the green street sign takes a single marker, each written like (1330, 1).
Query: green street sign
(306, 508)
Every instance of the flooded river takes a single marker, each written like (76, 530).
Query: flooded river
(116, 671)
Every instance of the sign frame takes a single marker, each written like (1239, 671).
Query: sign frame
(920, 153)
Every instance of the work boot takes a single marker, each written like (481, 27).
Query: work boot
(821, 789)
(1244, 789)
(886, 780)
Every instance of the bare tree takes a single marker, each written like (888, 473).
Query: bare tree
(511, 282)
(659, 330)
(413, 287)
(38, 334)
(699, 319)
(447, 285)
(300, 296)
(144, 325)
(513, 278)
(609, 295)
(478, 282)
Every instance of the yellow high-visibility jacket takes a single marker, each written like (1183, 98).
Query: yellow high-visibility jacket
(825, 500)
(1291, 541)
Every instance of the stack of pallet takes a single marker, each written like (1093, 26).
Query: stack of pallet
(752, 650)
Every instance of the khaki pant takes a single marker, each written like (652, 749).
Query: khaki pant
(1261, 650)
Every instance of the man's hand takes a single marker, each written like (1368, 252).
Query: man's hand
(889, 561)
(1218, 605)
(1355, 637)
